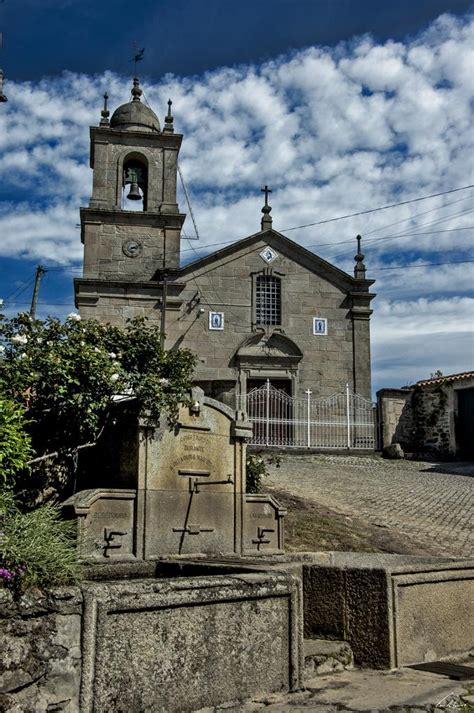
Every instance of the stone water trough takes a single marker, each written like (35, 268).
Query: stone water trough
(188, 599)
(148, 630)
(393, 610)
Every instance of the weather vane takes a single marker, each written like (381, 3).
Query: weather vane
(138, 56)
(3, 97)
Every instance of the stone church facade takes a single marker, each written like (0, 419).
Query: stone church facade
(261, 308)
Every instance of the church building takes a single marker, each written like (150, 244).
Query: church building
(261, 310)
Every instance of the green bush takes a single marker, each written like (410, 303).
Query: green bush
(37, 548)
(257, 469)
(15, 443)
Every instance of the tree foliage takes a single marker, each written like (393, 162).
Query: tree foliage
(15, 443)
(58, 382)
(66, 375)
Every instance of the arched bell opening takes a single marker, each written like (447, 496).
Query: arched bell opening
(134, 184)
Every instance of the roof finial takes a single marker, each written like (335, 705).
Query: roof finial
(136, 91)
(105, 113)
(168, 127)
(266, 210)
(359, 270)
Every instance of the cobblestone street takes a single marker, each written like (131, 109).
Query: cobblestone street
(430, 503)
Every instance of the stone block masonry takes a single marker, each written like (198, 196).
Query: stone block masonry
(40, 651)
(129, 256)
(426, 418)
(158, 644)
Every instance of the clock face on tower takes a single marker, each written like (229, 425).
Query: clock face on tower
(132, 248)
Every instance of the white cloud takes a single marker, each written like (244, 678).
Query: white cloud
(332, 131)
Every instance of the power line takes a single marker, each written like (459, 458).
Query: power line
(426, 264)
(329, 220)
(188, 201)
(376, 269)
(374, 210)
(418, 215)
(351, 240)
(371, 241)
(21, 288)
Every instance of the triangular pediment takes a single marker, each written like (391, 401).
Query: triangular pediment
(283, 245)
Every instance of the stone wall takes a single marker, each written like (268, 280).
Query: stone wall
(394, 416)
(40, 652)
(156, 643)
(420, 418)
(431, 408)
(393, 610)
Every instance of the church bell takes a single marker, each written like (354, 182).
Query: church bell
(134, 194)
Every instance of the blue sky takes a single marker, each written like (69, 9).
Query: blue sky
(339, 106)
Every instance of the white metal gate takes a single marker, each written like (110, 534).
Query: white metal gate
(343, 420)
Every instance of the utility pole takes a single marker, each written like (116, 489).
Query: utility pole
(164, 294)
(34, 301)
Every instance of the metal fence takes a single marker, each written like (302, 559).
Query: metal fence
(343, 420)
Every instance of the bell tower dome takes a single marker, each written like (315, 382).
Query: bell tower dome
(131, 229)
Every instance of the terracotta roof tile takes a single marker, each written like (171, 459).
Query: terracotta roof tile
(446, 379)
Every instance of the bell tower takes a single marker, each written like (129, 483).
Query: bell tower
(132, 226)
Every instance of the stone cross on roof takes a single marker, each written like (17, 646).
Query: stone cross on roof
(266, 210)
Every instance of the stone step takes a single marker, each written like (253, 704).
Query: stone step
(323, 656)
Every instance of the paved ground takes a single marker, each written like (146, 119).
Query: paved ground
(399, 691)
(429, 503)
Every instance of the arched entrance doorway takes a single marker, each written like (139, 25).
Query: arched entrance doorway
(268, 355)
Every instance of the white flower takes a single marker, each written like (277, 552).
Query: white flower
(2, 348)
(96, 349)
(22, 355)
(74, 317)
(19, 339)
(112, 355)
(39, 340)
(114, 378)
(82, 343)
(164, 382)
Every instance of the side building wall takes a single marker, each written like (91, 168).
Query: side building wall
(422, 418)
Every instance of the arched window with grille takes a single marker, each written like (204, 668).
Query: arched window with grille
(268, 300)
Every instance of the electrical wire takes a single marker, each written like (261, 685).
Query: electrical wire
(426, 264)
(188, 201)
(374, 210)
(376, 269)
(372, 241)
(19, 290)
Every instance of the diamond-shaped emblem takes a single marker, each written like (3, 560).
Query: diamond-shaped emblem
(268, 254)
